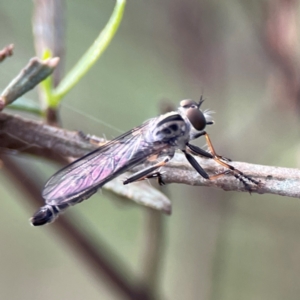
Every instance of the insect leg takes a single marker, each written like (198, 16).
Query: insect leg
(238, 174)
(148, 172)
(220, 160)
(157, 175)
(199, 151)
(195, 165)
(202, 152)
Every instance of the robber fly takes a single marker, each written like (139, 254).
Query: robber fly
(153, 143)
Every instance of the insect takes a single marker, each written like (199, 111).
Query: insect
(154, 142)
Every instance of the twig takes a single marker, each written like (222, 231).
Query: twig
(35, 133)
(274, 180)
(48, 24)
(49, 38)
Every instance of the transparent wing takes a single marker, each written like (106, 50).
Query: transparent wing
(84, 176)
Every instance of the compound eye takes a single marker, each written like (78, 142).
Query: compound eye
(188, 103)
(196, 118)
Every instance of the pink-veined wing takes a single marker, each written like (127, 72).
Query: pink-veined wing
(96, 168)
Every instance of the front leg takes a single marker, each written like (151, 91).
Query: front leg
(198, 151)
(222, 161)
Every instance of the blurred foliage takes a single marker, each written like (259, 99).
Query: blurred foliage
(218, 245)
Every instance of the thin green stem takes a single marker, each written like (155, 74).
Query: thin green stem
(25, 104)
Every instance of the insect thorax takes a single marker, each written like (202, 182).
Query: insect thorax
(170, 128)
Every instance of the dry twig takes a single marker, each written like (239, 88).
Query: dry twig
(274, 180)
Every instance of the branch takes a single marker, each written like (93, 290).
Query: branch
(274, 180)
(38, 134)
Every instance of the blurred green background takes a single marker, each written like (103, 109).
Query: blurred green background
(216, 244)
